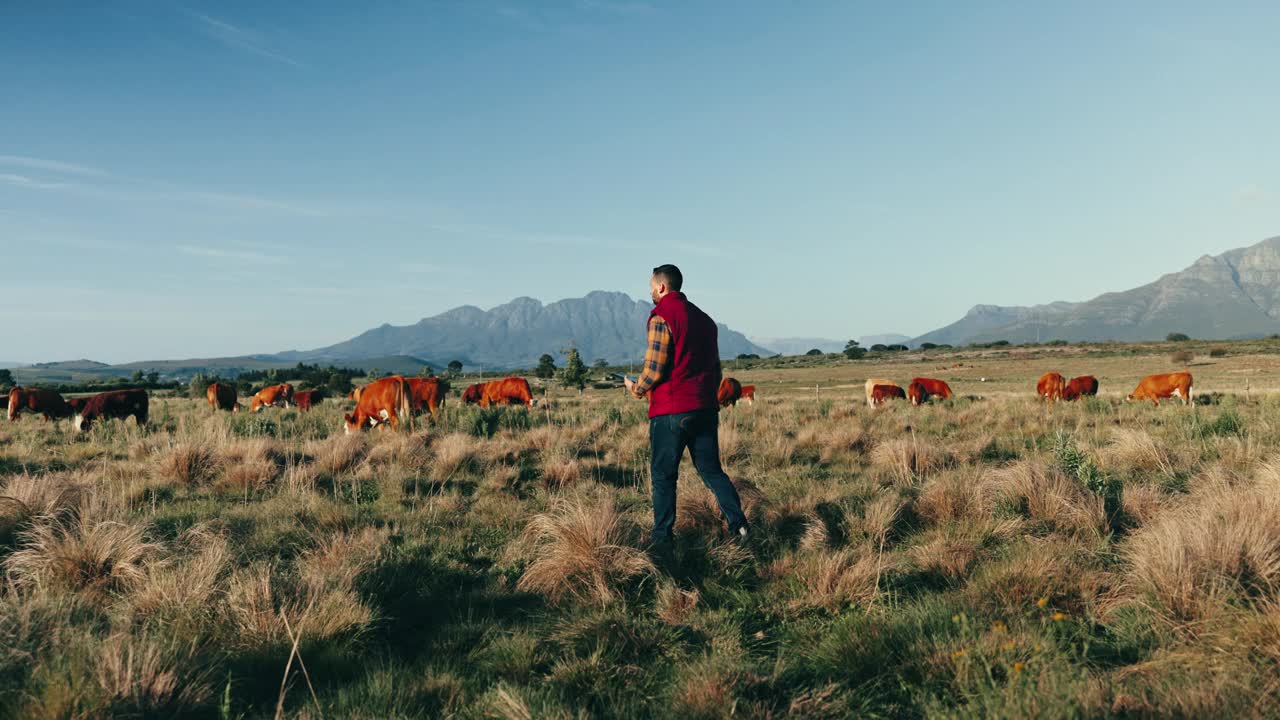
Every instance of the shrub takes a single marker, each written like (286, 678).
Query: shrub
(1217, 352)
(484, 423)
(1182, 357)
(1177, 337)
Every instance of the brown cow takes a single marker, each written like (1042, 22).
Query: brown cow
(880, 394)
(932, 388)
(749, 394)
(355, 393)
(222, 396)
(916, 393)
(1079, 387)
(871, 386)
(304, 399)
(37, 400)
(383, 401)
(729, 393)
(508, 391)
(427, 393)
(113, 404)
(277, 395)
(1049, 387)
(1156, 387)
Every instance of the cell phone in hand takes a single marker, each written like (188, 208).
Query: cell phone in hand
(632, 379)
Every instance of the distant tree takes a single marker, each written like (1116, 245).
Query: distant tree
(546, 367)
(600, 363)
(338, 383)
(748, 356)
(1057, 343)
(928, 346)
(1000, 343)
(1177, 337)
(374, 373)
(199, 384)
(814, 351)
(153, 378)
(426, 372)
(897, 348)
(244, 386)
(853, 350)
(6, 378)
(137, 378)
(879, 347)
(575, 371)
(455, 366)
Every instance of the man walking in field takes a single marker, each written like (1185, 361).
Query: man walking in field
(680, 378)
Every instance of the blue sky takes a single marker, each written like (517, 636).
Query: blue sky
(206, 179)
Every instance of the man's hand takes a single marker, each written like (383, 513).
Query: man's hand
(631, 387)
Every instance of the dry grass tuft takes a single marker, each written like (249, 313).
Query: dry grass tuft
(78, 553)
(185, 589)
(1051, 499)
(582, 550)
(453, 453)
(905, 459)
(834, 579)
(342, 454)
(191, 464)
(1222, 550)
(150, 676)
(675, 605)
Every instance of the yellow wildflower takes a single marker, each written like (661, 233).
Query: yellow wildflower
(1059, 616)
(1042, 602)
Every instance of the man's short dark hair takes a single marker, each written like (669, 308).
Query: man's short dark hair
(669, 274)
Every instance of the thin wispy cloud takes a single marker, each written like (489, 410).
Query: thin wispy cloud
(618, 7)
(30, 183)
(242, 39)
(56, 166)
(93, 181)
(229, 254)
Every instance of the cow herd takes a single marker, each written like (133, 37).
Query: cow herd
(388, 401)
(1051, 387)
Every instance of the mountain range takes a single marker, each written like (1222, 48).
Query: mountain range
(607, 325)
(1219, 297)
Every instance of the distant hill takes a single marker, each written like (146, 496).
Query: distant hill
(1232, 295)
(607, 325)
(799, 345)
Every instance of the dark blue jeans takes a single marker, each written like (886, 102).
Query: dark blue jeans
(669, 435)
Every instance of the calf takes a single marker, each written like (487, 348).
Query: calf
(1079, 387)
(881, 394)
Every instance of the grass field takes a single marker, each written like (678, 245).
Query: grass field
(988, 556)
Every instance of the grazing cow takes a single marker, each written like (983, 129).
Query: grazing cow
(932, 388)
(1049, 387)
(76, 404)
(304, 399)
(916, 393)
(871, 386)
(749, 394)
(278, 395)
(113, 404)
(37, 400)
(222, 396)
(880, 394)
(383, 401)
(427, 393)
(1157, 387)
(508, 391)
(729, 393)
(1078, 387)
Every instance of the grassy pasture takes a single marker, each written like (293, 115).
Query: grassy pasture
(989, 556)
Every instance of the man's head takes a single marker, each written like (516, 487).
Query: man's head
(666, 279)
